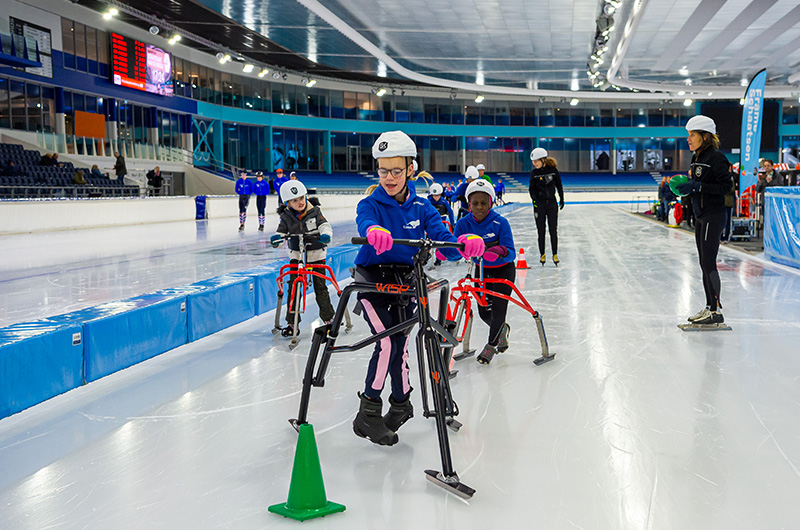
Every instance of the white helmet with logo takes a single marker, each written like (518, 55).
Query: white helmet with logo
(480, 185)
(538, 153)
(393, 143)
(471, 173)
(701, 123)
(480, 166)
(436, 189)
(292, 190)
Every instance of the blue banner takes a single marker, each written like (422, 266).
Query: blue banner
(751, 130)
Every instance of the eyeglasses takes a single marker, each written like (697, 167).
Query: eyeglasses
(396, 172)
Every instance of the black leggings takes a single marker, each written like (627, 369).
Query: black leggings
(494, 314)
(707, 232)
(547, 213)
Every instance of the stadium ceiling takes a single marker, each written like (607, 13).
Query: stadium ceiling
(649, 48)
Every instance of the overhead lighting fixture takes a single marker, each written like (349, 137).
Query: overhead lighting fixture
(380, 92)
(276, 75)
(114, 11)
(710, 93)
(313, 82)
(687, 102)
(574, 101)
(154, 30)
(684, 72)
(575, 85)
(219, 56)
(741, 101)
(263, 72)
(248, 68)
(107, 16)
(478, 98)
(682, 92)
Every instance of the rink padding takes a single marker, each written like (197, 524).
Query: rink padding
(38, 361)
(219, 303)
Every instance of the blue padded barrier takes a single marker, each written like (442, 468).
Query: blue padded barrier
(38, 360)
(120, 334)
(782, 225)
(221, 302)
(266, 288)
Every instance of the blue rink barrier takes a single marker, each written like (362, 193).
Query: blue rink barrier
(120, 334)
(782, 225)
(266, 287)
(38, 361)
(220, 302)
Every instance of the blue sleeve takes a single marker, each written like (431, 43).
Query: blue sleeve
(366, 216)
(434, 226)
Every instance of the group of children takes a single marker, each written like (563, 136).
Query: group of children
(261, 188)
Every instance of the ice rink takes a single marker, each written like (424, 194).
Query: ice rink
(634, 425)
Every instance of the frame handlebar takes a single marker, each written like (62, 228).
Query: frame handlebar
(419, 243)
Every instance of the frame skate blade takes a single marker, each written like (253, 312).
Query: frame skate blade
(456, 487)
(464, 355)
(276, 331)
(295, 424)
(543, 359)
(454, 425)
(720, 326)
(294, 344)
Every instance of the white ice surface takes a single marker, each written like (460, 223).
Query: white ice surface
(634, 425)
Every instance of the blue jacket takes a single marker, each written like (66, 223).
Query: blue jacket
(261, 188)
(244, 187)
(499, 188)
(411, 220)
(495, 230)
(278, 182)
(461, 191)
(443, 203)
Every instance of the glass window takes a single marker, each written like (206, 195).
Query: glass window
(91, 50)
(301, 101)
(68, 42)
(789, 114)
(5, 110)
(401, 109)
(531, 119)
(547, 117)
(277, 98)
(517, 116)
(473, 113)
(417, 109)
(671, 118)
(624, 117)
(80, 47)
(607, 117)
(576, 118)
(431, 109)
(502, 113)
(317, 103)
(350, 106)
(562, 117)
(639, 117)
(655, 117)
(457, 114)
(227, 89)
(487, 114)
(16, 96)
(236, 92)
(337, 104)
(102, 47)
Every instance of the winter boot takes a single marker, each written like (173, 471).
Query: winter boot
(487, 354)
(398, 414)
(369, 423)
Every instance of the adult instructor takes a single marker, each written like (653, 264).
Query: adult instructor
(709, 181)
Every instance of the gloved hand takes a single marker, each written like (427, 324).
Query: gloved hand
(380, 238)
(495, 253)
(473, 245)
(688, 187)
(440, 256)
(324, 238)
(561, 205)
(276, 240)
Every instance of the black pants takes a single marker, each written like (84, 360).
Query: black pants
(261, 204)
(244, 200)
(707, 232)
(494, 314)
(320, 293)
(547, 213)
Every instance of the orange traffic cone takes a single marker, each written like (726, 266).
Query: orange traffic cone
(522, 263)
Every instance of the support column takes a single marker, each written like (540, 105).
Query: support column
(614, 155)
(270, 163)
(327, 155)
(111, 112)
(187, 137)
(462, 146)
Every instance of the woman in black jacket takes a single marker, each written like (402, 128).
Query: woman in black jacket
(709, 181)
(545, 181)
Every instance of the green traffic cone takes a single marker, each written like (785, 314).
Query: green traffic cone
(306, 491)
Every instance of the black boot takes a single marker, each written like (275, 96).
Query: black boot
(369, 423)
(398, 414)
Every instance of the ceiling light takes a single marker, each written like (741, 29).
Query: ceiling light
(374, 90)
(220, 56)
(741, 101)
(743, 81)
(574, 101)
(687, 82)
(114, 11)
(263, 72)
(154, 30)
(682, 92)
(710, 93)
(687, 102)
(575, 85)
(176, 37)
(107, 16)
(478, 98)
(227, 58)
(380, 92)
(276, 75)
(312, 82)
(248, 68)
(304, 81)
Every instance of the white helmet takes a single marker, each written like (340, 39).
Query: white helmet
(436, 189)
(471, 172)
(393, 143)
(480, 166)
(538, 153)
(480, 185)
(701, 123)
(292, 190)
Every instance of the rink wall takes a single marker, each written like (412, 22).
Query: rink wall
(45, 358)
(782, 225)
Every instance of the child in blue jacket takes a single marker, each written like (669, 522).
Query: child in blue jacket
(498, 261)
(261, 189)
(393, 210)
(436, 198)
(244, 188)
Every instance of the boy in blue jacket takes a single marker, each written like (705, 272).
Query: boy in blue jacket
(244, 188)
(393, 210)
(261, 189)
(498, 261)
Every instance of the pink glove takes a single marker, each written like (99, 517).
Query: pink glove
(495, 253)
(473, 245)
(380, 238)
(440, 256)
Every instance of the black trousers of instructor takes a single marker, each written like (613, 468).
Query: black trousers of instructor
(707, 231)
(547, 213)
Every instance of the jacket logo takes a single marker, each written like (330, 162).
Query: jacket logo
(383, 146)
(698, 171)
(490, 235)
(391, 288)
(411, 224)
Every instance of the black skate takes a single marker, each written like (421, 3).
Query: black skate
(487, 354)
(241, 227)
(369, 423)
(398, 414)
(502, 345)
(708, 321)
(288, 331)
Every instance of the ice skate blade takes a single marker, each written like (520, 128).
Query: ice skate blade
(452, 375)
(543, 359)
(455, 487)
(454, 425)
(719, 326)
(295, 424)
(464, 355)
(276, 331)
(294, 343)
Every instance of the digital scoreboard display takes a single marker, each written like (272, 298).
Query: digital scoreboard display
(140, 66)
